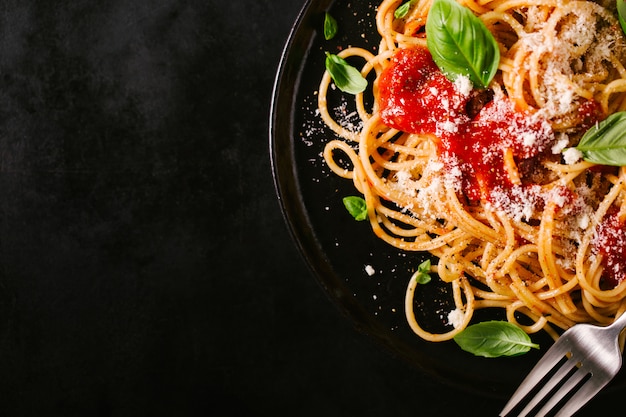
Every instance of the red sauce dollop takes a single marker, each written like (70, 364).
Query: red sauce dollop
(416, 97)
(610, 242)
(590, 111)
(478, 148)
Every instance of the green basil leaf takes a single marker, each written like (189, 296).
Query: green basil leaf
(330, 26)
(422, 275)
(356, 206)
(402, 10)
(605, 143)
(345, 76)
(621, 13)
(461, 44)
(493, 339)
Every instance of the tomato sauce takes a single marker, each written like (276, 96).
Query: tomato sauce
(416, 97)
(610, 242)
(591, 113)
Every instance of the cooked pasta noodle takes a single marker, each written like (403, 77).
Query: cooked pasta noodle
(535, 255)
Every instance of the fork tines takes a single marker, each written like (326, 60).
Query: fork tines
(552, 385)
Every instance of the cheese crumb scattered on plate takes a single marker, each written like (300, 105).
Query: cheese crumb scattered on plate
(455, 318)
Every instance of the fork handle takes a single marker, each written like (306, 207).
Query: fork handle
(618, 325)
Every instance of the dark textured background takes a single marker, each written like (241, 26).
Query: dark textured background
(145, 268)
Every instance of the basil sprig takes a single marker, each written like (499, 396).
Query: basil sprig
(461, 44)
(356, 206)
(605, 143)
(330, 26)
(403, 10)
(621, 13)
(347, 78)
(493, 339)
(422, 275)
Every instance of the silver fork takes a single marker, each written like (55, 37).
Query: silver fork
(581, 362)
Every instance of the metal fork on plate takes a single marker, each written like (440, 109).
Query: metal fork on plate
(581, 362)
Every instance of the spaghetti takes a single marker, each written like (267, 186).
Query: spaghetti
(480, 180)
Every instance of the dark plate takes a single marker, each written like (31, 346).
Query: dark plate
(336, 247)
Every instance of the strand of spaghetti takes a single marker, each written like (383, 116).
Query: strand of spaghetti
(329, 157)
(500, 224)
(521, 262)
(577, 86)
(415, 21)
(488, 303)
(428, 245)
(532, 62)
(322, 102)
(384, 23)
(540, 307)
(577, 168)
(451, 264)
(491, 18)
(371, 62)
(474, 271)
(390, 149)
(616, 293)
(407, 41)
(617, 64)
(418, 245)
(548, 329)
(593, 301)
(493, 268)
(375, 63)
(322, 105)
(566, 288)
(525, 231)
(405, 229)
(422, 225)
(398, 148)
(474, 6)
(468, 311)
(590, 308)
(540, 322)
(514, 81)
(502, 6)
(546, 257)
(614, 87)
(367, 143)
(466, 222)
(487, 296)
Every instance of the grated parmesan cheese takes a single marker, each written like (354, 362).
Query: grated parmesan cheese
(560, 145)
(577, 46)
(463, 85)
(572, 155)
(456, 317)
(583, 221)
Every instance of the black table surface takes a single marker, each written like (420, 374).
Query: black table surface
(145, 267)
